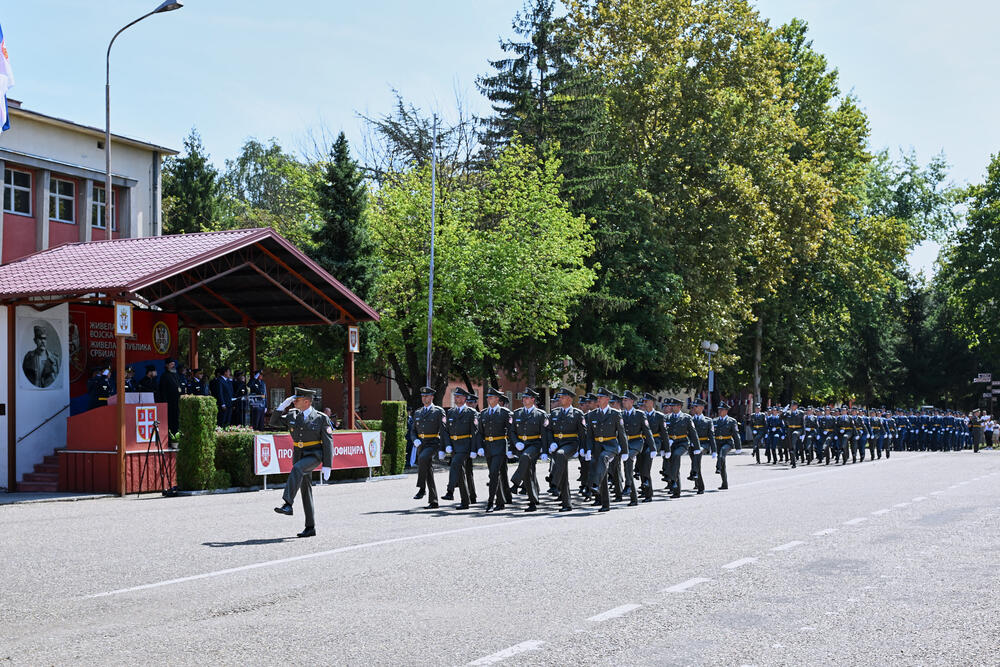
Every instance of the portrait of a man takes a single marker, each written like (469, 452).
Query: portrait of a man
(41, 364)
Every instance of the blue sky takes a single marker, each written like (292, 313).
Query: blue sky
(924, 71)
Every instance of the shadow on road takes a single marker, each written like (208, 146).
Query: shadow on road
(249, 543)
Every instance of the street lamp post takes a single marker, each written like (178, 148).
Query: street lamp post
(710, 348)
(166, 6)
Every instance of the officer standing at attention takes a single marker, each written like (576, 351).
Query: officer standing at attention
(429, 434)
(658, 427)
(463, 434)
(727, 437)
(682, 435)
(530, 437)
(606, 441)
(567, 433)
(639, 439)
(312, 434)
(496, 425)
(705, 444)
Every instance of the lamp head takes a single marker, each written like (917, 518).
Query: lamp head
(713, 348)
(167, 6)
(705, 345)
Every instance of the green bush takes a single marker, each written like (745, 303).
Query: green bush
(234, 454)
(394, 437)
(196, 451)
(220, 480)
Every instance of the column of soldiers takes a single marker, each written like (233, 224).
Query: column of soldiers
(616, 439)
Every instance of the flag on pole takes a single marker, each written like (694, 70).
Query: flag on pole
(6, 81)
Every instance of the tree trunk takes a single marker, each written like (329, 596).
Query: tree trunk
(532, 374)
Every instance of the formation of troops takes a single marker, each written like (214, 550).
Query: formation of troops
(617, 439)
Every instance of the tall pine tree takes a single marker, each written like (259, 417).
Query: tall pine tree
(191, 190)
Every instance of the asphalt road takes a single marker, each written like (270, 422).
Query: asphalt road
(887, 562)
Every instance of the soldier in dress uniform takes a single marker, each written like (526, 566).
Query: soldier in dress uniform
(727, 437)
(705, 429)
(312, 434)
(877, 440)
(496, 426)
(472, 403)
(775, 434)
(429, 434)
(508, 497)
(658, 428)
(639, 439)
(668, 416)
(976, 429)
(463, 435)
(567, 433)
(130, 384)
(794, 422)
(586, 405)
(606, 441)
(810, 435)
(99, 386)
(682, 434)
(845, 426)
(530, 438)
(758, 428)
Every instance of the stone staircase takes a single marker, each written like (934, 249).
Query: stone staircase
(45, 479)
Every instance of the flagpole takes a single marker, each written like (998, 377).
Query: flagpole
(430, 288)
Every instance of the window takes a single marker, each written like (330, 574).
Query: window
(62, 200)
(98, 207)
(17, 191)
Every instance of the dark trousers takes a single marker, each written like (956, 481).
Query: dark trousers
(560, 471)
(615, 473)
(630, 475)
(526, 472)
(720, 464)
(757, 439)
(606, 459)
(771, 441)
(456, 476)
(470, 479)
(496, 463)
(300, 478)
(677, 452)
(695, 454)
(425, 471)
(644, 465)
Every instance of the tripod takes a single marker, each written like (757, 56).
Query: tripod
(161, 459)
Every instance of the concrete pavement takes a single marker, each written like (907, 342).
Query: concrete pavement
(881, 562)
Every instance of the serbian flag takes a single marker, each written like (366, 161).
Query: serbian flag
(6, 81)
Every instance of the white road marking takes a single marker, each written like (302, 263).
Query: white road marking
(901, 505)
(920, 499)
(880, 512)
(684, 585)
(500, 656)
(787, 546)
(739, 563)
(854, 522)
(836, 470)
(614, 613)
(293, 559)
(825, 531)
(936, 493)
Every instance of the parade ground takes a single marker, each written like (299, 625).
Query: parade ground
(886, 562)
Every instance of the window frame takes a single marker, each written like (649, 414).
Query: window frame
(54, 195)
(14, 187)
(97, 206)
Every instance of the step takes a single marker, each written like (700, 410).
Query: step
(47, 468)
(51, 459)
(42, 477)
(37, 487)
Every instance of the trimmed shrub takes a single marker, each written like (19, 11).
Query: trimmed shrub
(234, 454)
(220, 480)
(393, 437)
(196, 449)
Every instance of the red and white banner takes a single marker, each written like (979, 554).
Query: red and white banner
(353, 449)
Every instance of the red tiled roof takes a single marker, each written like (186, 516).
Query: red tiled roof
(132, 265)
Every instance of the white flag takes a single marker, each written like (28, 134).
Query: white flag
(6, 82)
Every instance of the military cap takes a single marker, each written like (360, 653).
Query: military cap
(615, 398)
(591, 396)
(793, 402)
(529, 392)
(427, 391)
(493, 391)
(459, 391)
(149, 367)
(648, 397)
(723, 406)
(604, 391)
(304, 393)
(698, 401)
(130, 369)
(503, 400)
(471, 398)
(563, 391)
(630, 395)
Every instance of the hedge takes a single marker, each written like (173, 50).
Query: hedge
(394, 431)
(234, 455)
(196, 452)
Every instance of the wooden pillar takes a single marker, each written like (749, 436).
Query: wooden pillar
(120, 390)
(193, 348)
(253, 349)
(349, 381)
(11, 402)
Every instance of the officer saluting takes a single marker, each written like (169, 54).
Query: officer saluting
(429, 435)
(312, 434)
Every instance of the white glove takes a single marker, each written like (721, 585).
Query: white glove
(285, 403)
(326, 473)
(553, 447)
(448, 449)
(739, 451)
(441, 455)
(510, 454)
(625, 456)
(652, 455)
(666, 455)
(519, 446)
(416, 442)
(482, 452)
(472, 455)
(714, 455)
(544, 457)
(670, 443)
(587, 456)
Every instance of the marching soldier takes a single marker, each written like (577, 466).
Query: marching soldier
(977, 431)
(429, 435)
(530, 438)
(639, 439)
(606, 442)
(658, 427)
(775, 434)
(794, 422)
(727, 437)
(495, 429)
(811, 437)
(846, 427)
(705, 429)
(463, 436)
(681, 436)
(586, 405)
(567, 433)
(758, 427)
(312, 434)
